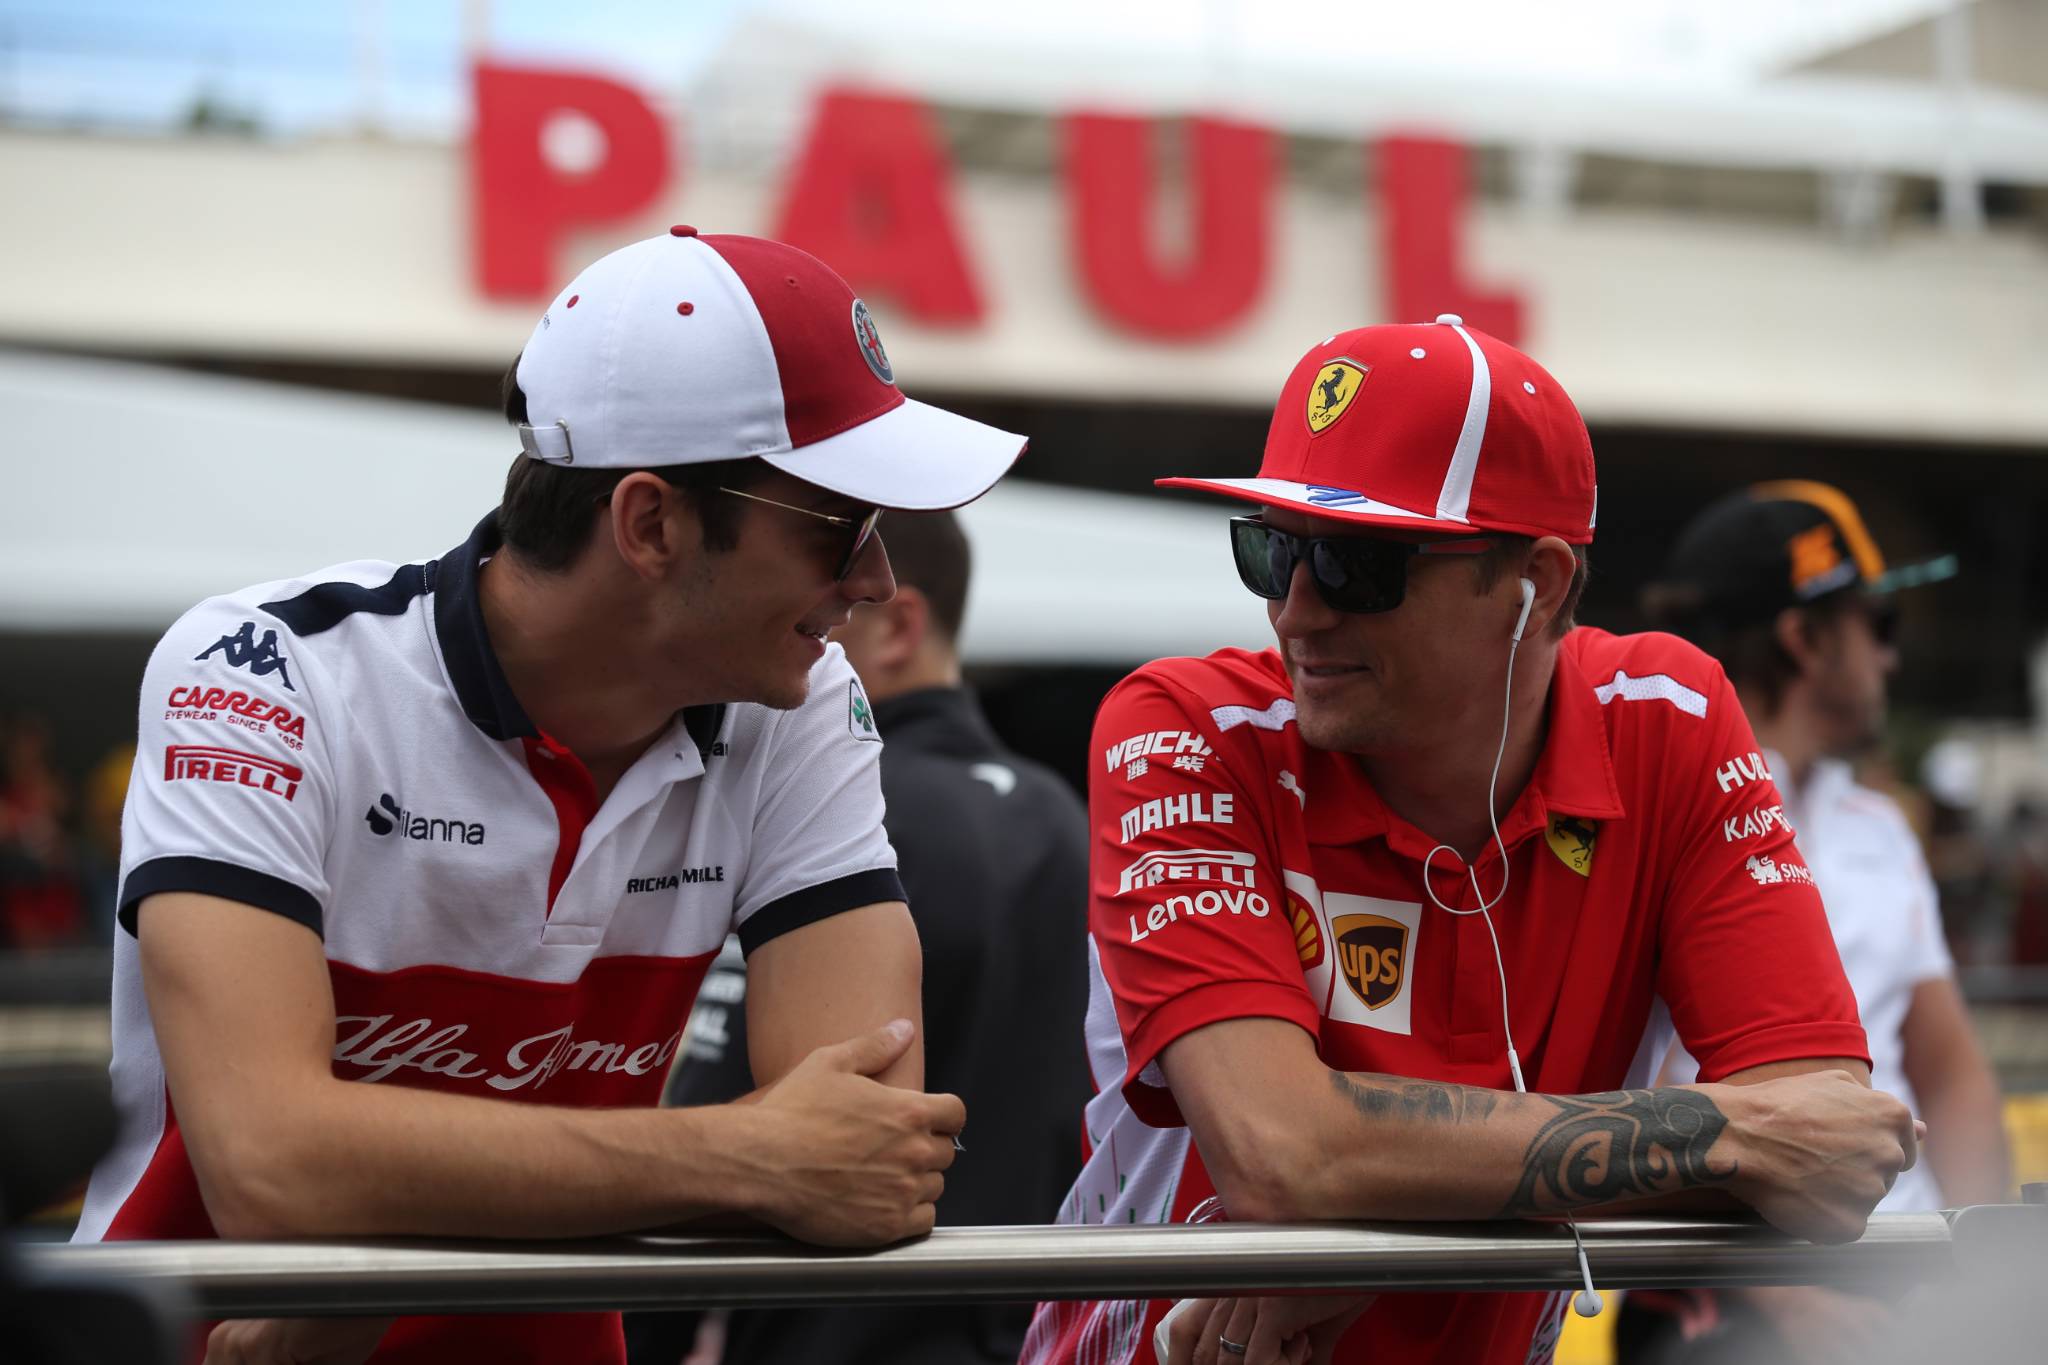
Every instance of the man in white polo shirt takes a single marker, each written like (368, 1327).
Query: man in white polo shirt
(422, 864)
(1783, 583)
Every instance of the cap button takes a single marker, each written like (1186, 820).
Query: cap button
(682, 230)
(1450, 319)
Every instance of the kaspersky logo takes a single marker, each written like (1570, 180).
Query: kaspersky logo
(387, 818)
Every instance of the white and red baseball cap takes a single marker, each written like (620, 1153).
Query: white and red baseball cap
(684, 348)
(1431, 428)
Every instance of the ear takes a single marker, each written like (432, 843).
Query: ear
(1550, 567)
(1797, 634)
(651, 523)
(905, 622)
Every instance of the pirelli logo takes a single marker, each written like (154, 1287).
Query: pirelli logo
(201, 763)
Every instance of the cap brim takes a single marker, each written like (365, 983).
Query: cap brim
(1335, 503)
(1902, 576)
(913, 458)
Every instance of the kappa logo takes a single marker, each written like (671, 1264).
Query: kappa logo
(1370, 949)
(1571, 840)
(860, 716)
(202, 763)
(1329, 398)
(243, 650)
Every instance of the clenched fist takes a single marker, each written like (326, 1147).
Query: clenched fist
(1814, 1153)
(846, 1160)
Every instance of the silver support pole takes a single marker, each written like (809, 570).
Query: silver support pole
(293, 1279)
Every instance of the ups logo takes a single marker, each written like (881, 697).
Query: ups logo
(1370, 952)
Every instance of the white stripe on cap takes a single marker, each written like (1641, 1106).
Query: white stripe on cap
(1455, 500)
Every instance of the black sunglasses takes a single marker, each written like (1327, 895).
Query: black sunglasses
(1357, 574)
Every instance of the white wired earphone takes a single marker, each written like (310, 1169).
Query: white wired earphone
(1586, 1303)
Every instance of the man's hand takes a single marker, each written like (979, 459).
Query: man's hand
(1287, 1329)
(1814, 1153)
(295, 1341)
(845, 1160)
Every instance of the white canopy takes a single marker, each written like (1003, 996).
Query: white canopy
(134, 491)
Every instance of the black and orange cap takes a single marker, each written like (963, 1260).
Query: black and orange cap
(1775, 545)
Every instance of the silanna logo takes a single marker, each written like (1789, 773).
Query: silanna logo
(387, 817)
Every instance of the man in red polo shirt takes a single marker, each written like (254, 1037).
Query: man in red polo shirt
(1353, 894)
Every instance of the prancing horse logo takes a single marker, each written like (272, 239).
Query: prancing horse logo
(1330, 397)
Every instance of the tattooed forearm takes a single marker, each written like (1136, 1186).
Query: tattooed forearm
(1619, 1145)
(1394, 1097)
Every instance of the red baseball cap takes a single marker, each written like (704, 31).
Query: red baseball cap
(1435, 428)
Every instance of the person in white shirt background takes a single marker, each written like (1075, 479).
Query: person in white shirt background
(1783, 584)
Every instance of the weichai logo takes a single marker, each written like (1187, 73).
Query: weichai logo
(202, 763)
(1370, 949)
(388, 817)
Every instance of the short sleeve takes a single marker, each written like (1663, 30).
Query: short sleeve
(1184, 903)
(1747, 962)
(818, 846)
(232, 793)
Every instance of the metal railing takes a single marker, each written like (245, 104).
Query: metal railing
(285, 1279)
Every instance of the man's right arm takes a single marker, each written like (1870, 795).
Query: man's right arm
(244, 1017)
(1286, 1139)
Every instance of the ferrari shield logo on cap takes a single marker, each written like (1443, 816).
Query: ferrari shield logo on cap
(1337, 383)
(870, 340)
(1370, 950)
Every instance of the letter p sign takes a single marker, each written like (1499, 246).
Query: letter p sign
(554, 150)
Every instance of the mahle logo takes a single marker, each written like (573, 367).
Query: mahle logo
(387, 817)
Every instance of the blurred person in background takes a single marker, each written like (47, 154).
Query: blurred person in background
(1355, 895)
(422, 864)
(1783, 584)
(104, 792)
(41, 905)
(993, 852)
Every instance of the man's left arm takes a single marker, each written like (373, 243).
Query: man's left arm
(1958, 1096)
(831, 980)
(831, 949)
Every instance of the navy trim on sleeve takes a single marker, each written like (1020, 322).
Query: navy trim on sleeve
(822, 901)
(326, 605)
(225, 880)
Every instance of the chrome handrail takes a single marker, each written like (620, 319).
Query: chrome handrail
(285, 1279)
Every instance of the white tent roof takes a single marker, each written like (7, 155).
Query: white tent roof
(135, 491)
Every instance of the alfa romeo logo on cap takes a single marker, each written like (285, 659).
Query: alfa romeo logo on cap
(871, 343)
(1337, 383)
